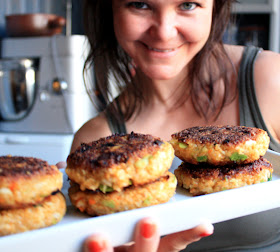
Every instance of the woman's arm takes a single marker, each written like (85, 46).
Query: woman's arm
(91, 131)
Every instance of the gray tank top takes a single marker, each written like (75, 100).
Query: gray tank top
(256, 232)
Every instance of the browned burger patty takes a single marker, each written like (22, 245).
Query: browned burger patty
(50, 211)
(26, 181)
(220, 145)
(117, 161)
(204, 179)
(99, 203)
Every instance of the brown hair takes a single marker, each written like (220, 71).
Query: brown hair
(108, 59)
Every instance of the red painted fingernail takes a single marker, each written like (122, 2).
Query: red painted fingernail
(147, 229)
(96, 246)
(205, 234)
(207, 229)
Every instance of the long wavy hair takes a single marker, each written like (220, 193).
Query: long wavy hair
(209, 68)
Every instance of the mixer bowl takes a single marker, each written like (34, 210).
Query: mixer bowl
(17, 87)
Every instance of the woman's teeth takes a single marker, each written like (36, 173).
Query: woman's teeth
(160, 50)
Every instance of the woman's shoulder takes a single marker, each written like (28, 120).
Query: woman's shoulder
(267, 85)
(268, 62)
(92, 130)
(266, 71)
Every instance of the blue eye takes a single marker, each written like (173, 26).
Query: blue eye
(138, 5)
(188, 6)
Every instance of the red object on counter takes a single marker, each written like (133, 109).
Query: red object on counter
(37, 24)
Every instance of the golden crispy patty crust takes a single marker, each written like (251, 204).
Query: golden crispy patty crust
(204, 179)
(99, 203)
(47, 213)
(119, 160)
(220, 145)
(26, 181)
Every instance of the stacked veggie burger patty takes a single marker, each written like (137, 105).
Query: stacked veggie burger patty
(120, 172)
(30, 196)
(217, 158)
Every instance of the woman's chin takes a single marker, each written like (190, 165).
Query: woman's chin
(161, 74)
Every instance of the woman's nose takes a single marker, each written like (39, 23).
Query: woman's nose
(164, 26)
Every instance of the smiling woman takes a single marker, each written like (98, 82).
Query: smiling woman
(172, 71)
(161, 38)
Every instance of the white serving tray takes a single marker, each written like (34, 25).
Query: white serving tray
(69, 234)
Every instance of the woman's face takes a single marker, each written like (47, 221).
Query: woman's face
(162, 36)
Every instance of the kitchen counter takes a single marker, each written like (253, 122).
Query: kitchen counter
(50, 147)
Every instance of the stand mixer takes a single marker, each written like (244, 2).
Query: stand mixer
(42, 91)
(60, 101)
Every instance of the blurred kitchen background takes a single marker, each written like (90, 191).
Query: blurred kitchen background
(257, 22)
(43, 100)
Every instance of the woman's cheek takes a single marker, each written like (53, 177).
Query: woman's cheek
(196, 32)
(126, 27)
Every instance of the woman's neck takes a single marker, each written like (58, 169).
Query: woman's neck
(163, 92)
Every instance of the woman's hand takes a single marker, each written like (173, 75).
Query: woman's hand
(147, 239)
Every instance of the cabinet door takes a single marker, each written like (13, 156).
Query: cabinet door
(255, 6)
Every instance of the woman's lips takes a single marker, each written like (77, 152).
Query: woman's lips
(165, 52)
(161, 50)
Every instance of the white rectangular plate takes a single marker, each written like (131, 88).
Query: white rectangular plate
(180, 213)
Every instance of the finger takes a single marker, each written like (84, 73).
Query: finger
(61, 165)
(146, 236)
(97, 243)
(179, 241)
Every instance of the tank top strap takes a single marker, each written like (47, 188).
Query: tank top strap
(250, 113)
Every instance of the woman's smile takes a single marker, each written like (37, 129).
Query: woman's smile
(160, 52)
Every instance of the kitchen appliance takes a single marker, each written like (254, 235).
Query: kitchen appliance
(43, 99)
(17, 87)
(60, 101)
